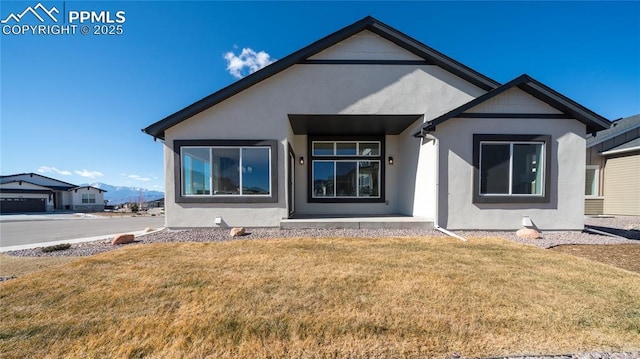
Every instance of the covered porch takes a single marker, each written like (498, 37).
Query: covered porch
(354, 171)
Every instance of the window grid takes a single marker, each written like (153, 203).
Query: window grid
(335, 148)
(88, 198)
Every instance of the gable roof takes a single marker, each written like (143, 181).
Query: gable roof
(3, 186)
(568, 107)
(618, 127)
(87, 187)
(63, 185)
(430, 55)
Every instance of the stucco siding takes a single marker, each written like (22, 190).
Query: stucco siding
(261, 112)
(365, 46)
(76, 200)
(514, 101)
(622, 185)
(416, 184)
(566, 207)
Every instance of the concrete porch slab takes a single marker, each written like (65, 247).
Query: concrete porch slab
(355, 222)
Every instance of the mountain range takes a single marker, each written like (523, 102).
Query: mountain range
(119, 194)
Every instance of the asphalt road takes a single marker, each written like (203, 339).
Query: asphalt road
(24, 229)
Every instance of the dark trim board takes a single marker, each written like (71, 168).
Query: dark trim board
(354, 125)
(367, 62)
(551, 116)
(177, 171)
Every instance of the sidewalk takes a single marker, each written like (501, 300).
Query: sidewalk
(72, 241)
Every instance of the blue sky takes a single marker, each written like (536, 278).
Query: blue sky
(72, 106)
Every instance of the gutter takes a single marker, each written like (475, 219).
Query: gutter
(436, 171)
(622, 150)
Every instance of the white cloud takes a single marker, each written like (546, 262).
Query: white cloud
(247, 62)
(136, 177)
(45, 169)
(90, 174)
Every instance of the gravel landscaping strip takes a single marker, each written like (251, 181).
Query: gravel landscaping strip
(629, 227)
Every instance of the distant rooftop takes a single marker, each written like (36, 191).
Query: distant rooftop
(617, 128)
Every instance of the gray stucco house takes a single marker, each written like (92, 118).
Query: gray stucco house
(369, 121)
(31, 192)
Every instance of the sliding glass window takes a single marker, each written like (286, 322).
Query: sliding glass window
(226, 171)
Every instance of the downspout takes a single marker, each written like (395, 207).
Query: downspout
(436, 142)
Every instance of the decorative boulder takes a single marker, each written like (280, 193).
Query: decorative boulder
(237, 232)
(528, 233)
(122, 239)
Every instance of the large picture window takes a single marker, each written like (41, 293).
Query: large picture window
(511, 168)
(346, 170)
(226, 171)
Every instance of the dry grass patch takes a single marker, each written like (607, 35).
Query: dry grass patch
(626, 256)
(390, 297)
(19, 266)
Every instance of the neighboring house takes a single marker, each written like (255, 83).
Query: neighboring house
(368, 121)
(31, 192)
(613, 169)
(158, 203)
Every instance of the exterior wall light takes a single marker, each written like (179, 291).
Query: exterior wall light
(301, 160)
(390, 160)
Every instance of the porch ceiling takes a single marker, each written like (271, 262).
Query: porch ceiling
(351, 124)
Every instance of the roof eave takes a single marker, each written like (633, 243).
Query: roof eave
(157, 130)
(593, 121)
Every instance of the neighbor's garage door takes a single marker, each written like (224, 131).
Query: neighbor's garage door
(16, 205)
(621, 186)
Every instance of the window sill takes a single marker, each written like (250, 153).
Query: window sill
(227, 199)
(510, 199)
(346, 200)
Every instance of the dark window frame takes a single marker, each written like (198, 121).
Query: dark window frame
(177, 171)
(311, 158)
(512, 198)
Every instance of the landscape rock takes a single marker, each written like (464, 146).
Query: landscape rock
(237, 232)
(528, 233)
(122, 239)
